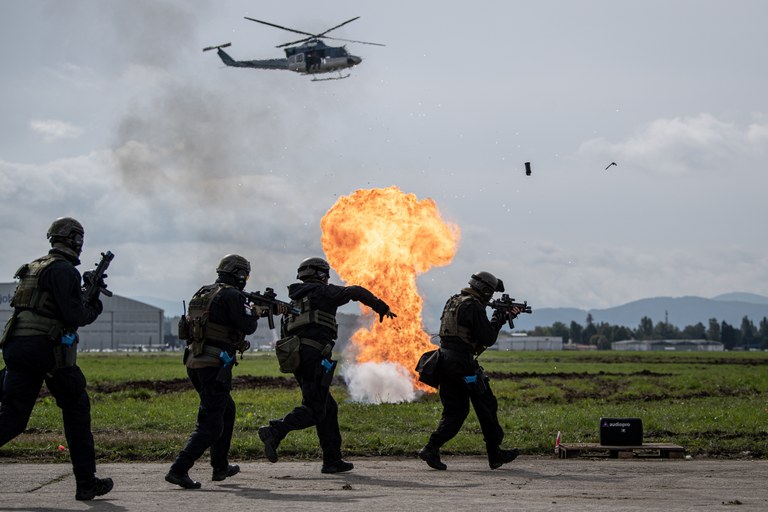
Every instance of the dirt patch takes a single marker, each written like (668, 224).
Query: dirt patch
(182, 384)
(179, 385)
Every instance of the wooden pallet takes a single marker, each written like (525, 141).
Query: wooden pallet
(653, 450)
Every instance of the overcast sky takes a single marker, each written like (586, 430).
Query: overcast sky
(112, 114)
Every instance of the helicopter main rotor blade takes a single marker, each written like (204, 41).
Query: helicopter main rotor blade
(295, 42)
(279, 26)
(351, 41)
(312, 36)
(321, 34)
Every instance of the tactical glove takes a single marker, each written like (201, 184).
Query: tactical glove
(499, 316)
(388, 313)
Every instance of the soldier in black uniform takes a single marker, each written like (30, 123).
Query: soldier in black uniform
(465, 332)
(219, 319)
(40, 344)
(317, 328)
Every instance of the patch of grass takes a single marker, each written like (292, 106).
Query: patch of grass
(713, 404)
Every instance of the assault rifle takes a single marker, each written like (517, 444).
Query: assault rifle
(505, 305)
(269, 299)
(94, 280)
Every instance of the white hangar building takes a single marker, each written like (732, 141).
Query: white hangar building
(507, 341)
(669, 345)
(125, 323)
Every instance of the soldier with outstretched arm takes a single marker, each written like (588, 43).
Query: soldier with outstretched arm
(316, 327)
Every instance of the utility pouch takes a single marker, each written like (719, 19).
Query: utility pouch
(428, 367)
(65, 352)
(328, 369)
(197, 347)
(288, 351)
(183, 327)
(196, 330)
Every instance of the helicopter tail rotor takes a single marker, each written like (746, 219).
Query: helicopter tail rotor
(225, 45)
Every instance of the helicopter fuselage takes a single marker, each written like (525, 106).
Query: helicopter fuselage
(317, 57)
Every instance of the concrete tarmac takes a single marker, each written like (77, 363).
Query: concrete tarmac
(407, 484)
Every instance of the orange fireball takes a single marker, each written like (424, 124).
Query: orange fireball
(382, 239)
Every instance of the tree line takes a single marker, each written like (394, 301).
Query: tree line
(602, 334)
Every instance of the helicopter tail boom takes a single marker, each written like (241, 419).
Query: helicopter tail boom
(258, 64)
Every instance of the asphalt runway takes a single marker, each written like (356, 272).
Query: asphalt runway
(407, 484)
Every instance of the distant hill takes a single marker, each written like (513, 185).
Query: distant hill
(679, 311)
(742, 297)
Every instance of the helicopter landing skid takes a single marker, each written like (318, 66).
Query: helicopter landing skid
(340, 77)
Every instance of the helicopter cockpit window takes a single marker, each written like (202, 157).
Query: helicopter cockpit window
(300, 57)
(336, 52)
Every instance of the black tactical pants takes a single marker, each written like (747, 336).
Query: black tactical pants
(456, 395)
(28, 359)
(215, 422)
(318, 408)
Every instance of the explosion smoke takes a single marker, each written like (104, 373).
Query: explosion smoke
(382, 239)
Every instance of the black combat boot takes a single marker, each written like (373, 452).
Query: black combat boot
(271, 442)
(182, 480)
(92, 487)
(339, 466)
(221, 474)
(498, 457)
(431, 456)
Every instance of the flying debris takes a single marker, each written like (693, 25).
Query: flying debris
(527, 168)
(610, 164)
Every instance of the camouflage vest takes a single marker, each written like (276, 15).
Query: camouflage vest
(309, 316)
(449, 320)
(201, 329)
(36, 312)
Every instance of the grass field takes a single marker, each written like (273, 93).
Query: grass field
(713, 404)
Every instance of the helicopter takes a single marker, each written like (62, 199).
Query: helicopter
(311, 57)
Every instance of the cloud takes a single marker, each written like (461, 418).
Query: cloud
(163, 239)
(679, 146)
(68, 74)
(757, 134)
(52, 129)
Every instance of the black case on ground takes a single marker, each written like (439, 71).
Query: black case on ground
(621, 431)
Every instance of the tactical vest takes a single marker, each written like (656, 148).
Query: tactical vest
(449, 320)
(309, 316)
(202, 330)
(35, 310)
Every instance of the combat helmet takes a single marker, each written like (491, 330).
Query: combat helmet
(486, 284)
(67, 231)
(236, 266)
(313, 268)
